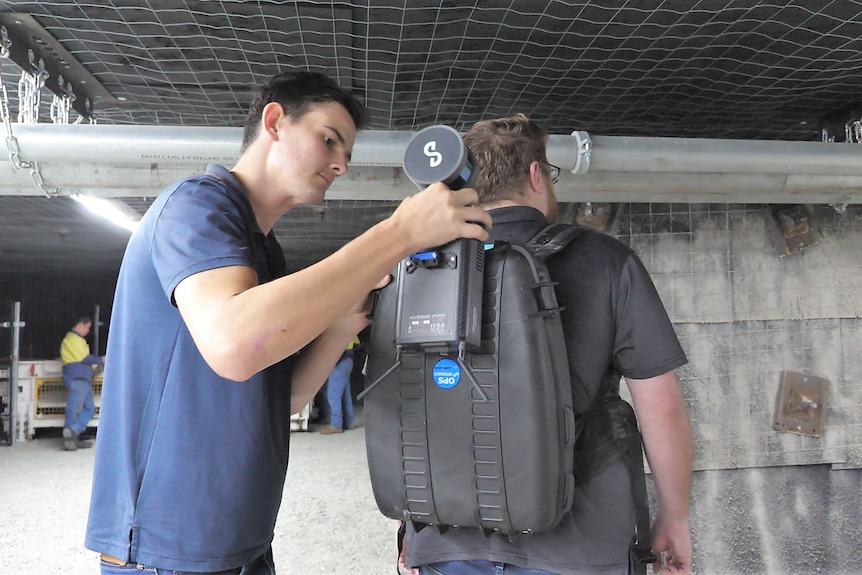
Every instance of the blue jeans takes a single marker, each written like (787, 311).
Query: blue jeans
(262, 565)
(477, 568)
(339, 396)
(79, 404)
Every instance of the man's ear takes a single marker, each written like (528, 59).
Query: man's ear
(537, 182)
(269, 118)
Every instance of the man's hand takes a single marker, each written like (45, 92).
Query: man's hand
(403, 569)
(437, 215)
(357, 317)
(671, 542)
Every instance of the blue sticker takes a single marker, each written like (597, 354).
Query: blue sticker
(446, 373)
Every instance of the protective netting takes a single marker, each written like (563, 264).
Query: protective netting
(729, 69)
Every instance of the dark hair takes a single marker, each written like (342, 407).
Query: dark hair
(504, 149)
(296, 91)
(83, 319)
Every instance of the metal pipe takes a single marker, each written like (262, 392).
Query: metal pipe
(380, 183)
(119, 144)
(13, 375)
(624, 154)
(97, 327)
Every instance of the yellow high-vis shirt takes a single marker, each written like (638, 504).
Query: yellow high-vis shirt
(74, 348)
(354, 342)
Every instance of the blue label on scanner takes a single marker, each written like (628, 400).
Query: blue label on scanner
(446, 374)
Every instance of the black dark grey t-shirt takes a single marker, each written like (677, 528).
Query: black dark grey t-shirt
(615, 324)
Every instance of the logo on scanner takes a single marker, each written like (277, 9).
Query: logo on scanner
(435, 158)
(446, 374)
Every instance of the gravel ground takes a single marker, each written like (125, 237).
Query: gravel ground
(329, 523)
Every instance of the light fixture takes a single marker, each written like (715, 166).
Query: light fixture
(113, 211)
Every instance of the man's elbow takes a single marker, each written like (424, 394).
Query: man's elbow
(230, 363)
(233, 374)
(298, 403)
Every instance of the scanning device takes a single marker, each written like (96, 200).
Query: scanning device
(438, 154)
(440, 289)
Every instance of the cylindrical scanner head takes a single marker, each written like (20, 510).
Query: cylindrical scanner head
(438, 154)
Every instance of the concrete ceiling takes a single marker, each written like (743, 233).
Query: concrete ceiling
(709, 69)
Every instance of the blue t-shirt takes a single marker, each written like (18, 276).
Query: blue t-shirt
(190, 466)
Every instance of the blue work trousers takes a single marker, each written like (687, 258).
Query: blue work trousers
(339, 396)
(80, 408)
(477, 568)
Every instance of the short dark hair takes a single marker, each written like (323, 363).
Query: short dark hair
(83, 319)
(296, 91)
(504, 148)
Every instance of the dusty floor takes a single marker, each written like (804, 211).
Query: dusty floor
(329, 523)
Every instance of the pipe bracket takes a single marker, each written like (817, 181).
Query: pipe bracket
(584, 147)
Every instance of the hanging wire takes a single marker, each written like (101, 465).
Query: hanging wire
(29, 99)
(60, 107)
(11, 141)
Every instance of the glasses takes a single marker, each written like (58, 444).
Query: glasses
(555, 172)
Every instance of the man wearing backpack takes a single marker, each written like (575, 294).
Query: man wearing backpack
(615, 325)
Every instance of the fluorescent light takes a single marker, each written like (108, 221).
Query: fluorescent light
(112, 211)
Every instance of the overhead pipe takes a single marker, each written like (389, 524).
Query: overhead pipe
(136, 144)
(700, 155)
(140, 161)
(390, 183)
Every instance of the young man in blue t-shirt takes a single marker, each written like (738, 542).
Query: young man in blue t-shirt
(213, 346)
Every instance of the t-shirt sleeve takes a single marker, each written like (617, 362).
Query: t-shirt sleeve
(200, 227)
(646, 344)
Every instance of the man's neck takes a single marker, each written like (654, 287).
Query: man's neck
(266, 209)
(509, 204)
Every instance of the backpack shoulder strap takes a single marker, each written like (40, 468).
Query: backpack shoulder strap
(553, 238)
(640, 550)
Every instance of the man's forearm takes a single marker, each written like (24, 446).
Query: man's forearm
(667, 440)
(315, 363)
(670, 452)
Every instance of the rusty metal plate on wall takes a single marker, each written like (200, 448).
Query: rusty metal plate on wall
(598, 216)
(800, 406)
(792, 228)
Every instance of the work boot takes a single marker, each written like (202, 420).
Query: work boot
(329, 430)
(72, 442)
(69, 437)
(82, 443)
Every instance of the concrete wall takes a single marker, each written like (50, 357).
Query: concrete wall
(764, 501)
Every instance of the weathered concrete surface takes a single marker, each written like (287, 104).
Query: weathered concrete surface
(764, 501)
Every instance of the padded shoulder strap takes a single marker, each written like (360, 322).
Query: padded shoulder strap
(553, 238)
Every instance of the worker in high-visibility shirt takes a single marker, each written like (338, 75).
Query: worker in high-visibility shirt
(338, 393)
(78, 364)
